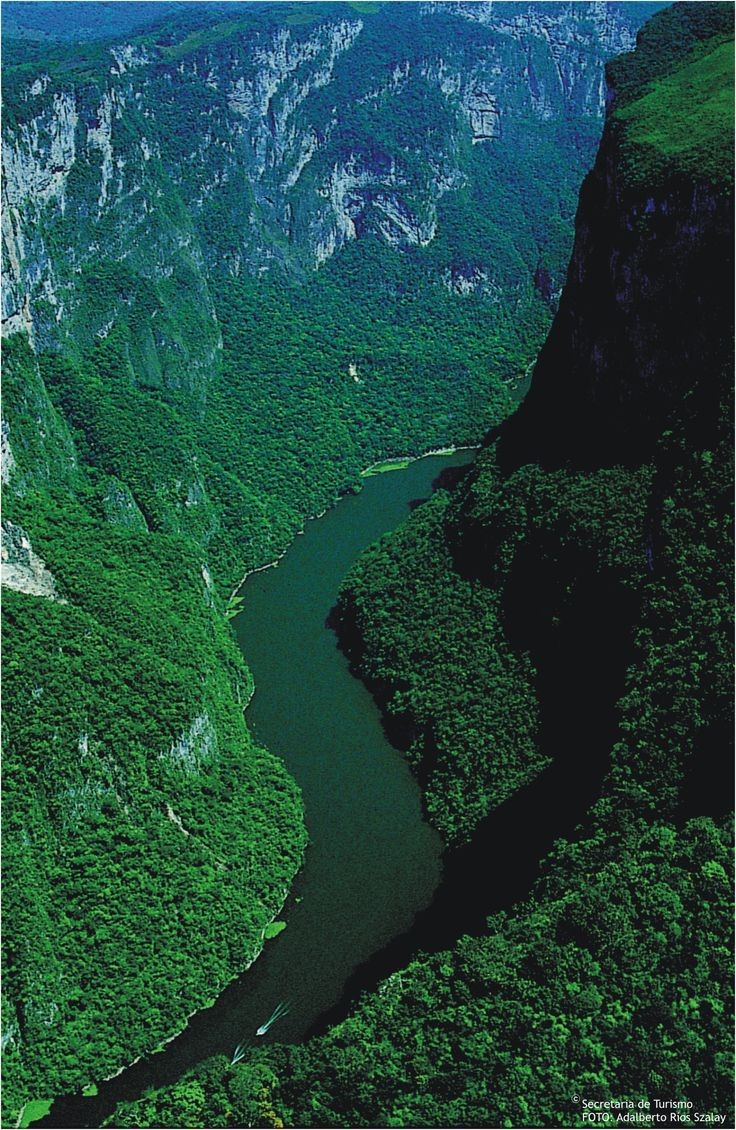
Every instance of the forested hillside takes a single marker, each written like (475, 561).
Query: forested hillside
(564, 615)
(168, 200)
(248, 250)
(139, 815)
(43, 20)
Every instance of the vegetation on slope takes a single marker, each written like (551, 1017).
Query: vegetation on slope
(47, 21)
(136, 805)
(599, 602)
(483, 1035)
(664, 43)
(140, 820)
(674, 110)
(451, 645)
(683, 123)
(431, 644)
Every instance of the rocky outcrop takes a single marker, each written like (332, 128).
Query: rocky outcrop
(22, 569)
(99, 136)
(43, 151)
(7, 459)
(484, 114)
(284, 73)
(121, 508)
(195, 747)
(128, 56)
(648, 292)
(36, 165)
(69, 159)
(555, 50)
(471, 280)
(289, 136)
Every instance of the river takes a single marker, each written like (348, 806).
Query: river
(372, 863)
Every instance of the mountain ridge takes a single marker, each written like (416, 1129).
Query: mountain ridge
(129, 482)
(588, 595)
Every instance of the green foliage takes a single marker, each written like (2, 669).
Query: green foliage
(148, 841)
(433, 643)
(137, 810)
(76, 22)
(665, 42)
(216, 1095)
(611, 980)
(484, 1034)
(33, 1111)
(274, 929)
(324, 386)
(685, 122)
(205, 37)
(607, 982)
(434, 638)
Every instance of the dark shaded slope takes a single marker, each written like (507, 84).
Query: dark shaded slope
(184, 412)
(568, 604)
(651, 277)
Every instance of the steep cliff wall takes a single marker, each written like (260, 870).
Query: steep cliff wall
(281, 142)
(148, 184)
(578, 576)
(138, 813)
(164, 197)
(182, 386)
(650, 277)
(577, 486)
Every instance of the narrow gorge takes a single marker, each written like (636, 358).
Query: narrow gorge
(251, 250)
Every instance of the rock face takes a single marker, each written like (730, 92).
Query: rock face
(591, 539)
(556, 44)
(139, 183)
(273, 146)
(615, 470)
(37, 448)
(195, 747)
(643, 308)
(22, 569)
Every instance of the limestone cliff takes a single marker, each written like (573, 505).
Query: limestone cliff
(144, 180)
(552, 638)
(289, 142)
(21, 568)
(580, 526)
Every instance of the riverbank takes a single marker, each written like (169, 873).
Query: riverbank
(393, 463)
(83, 1104)
(373, 862)
(401, 462)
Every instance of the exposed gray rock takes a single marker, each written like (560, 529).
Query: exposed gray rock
(196, 746)
(22, 569)
(121, 508)
(7, 459)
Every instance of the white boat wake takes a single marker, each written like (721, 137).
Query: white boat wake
(281, 1010)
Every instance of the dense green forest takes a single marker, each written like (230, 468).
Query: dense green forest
(387, 349)
(134, 799)
(564, 613)
(247, 254)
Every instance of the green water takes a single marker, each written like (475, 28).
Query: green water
(372, 862)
